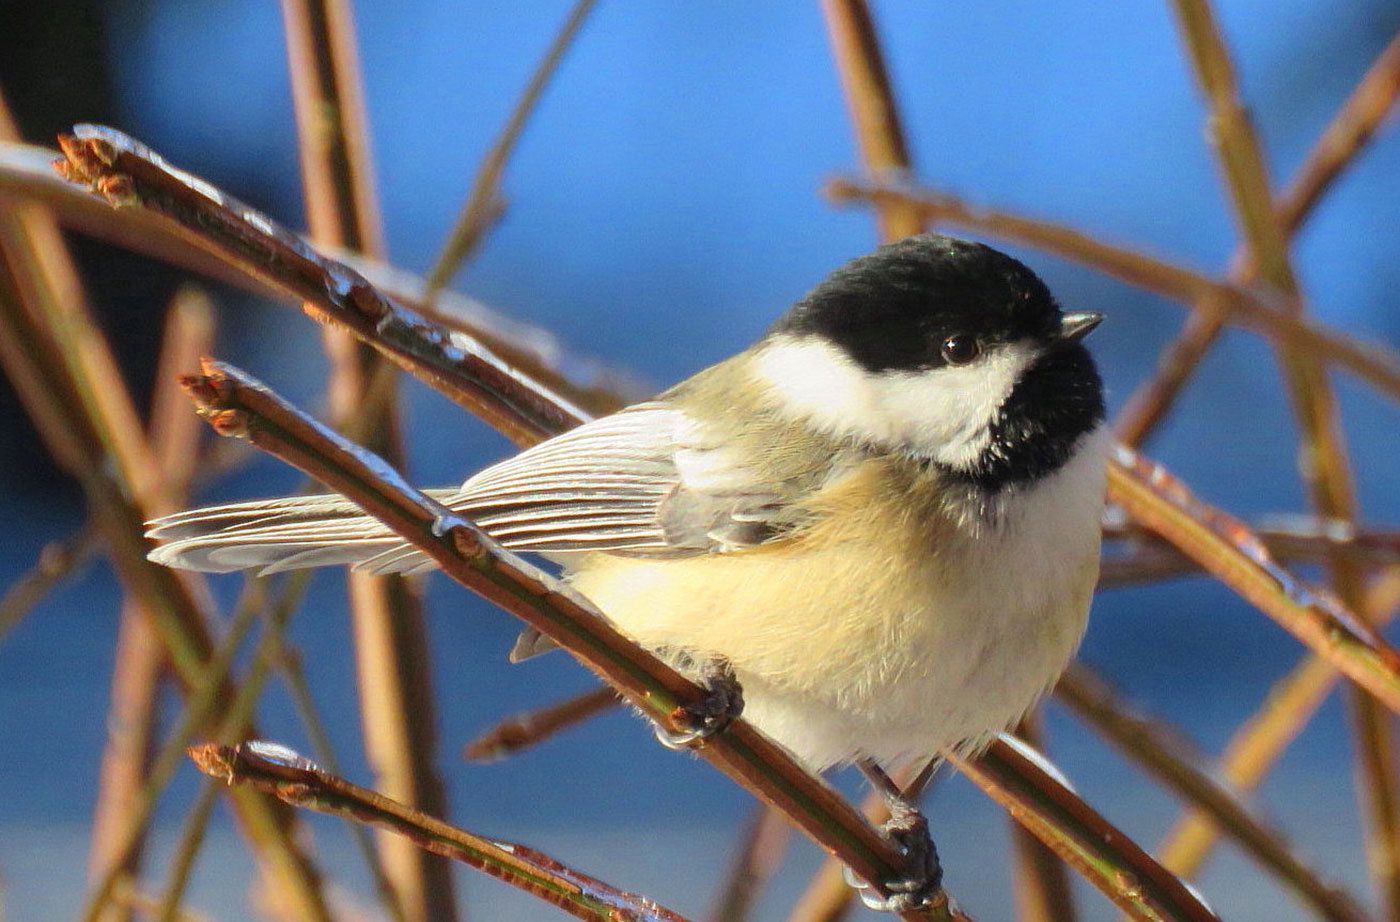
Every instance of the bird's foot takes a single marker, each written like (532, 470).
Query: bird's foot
(692, 725)
(922, 884)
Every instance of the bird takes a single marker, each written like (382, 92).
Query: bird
(881, 519)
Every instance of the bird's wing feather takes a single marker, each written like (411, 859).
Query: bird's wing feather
(647, 481)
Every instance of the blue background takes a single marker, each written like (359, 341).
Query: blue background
(663, 207)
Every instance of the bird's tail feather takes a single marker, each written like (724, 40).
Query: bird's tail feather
(284, 534)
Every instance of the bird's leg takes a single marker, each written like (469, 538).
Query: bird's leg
(909, 830)
(693, 724)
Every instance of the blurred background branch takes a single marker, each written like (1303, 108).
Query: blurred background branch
(662, 210)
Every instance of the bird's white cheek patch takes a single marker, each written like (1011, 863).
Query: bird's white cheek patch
(943, 413)
(814, 379)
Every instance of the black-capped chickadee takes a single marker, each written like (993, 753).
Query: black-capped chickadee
(883, 516)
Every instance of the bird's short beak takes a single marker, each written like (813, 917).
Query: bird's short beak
(1076, 326)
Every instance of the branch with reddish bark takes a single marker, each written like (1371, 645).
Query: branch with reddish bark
(278, 771)
(235, 405)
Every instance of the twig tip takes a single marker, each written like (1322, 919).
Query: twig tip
(213, 760)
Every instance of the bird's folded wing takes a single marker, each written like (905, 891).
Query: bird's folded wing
(647, 481)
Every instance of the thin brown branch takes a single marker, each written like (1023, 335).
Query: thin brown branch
(756, 860)
(139, 661)
(827, 897)
(1039, 878)
(282, 773)
(333, 141)
(396, 702)
(202, 708)
(1159, 276)
(1374, 363)
(1147, 558)
(1018, 778)
(288, 662)
(174, 436)
(65, 376)
(187, 849)
(137, 665)
(1322, 454)
(1168, 758)
(1227, 549)
(26, 175)
(58, 561)
(483, 206)
(870, 102)
(521, 731)
(128, 174)
(1259, 741)
(535, 351)
(1355, 123)
(1232, 136)
(1345, 136)
(235, 405)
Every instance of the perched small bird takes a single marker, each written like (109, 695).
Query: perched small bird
(882, 518)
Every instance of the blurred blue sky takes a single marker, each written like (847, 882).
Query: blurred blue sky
(663, 208)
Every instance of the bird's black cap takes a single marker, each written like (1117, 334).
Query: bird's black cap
(892, 309)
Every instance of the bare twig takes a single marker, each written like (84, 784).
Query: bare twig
(483, 206)
(1224, 547)
(58, 560)
(756, 860)
(26, 175)
(139, 659)
(1355, 123)
(1019, 779)
(521, 731)
(1173, 762)
(1039, 878)
(235, 405)
(201, 707)
(1136, 268)
(66, 378)
(870, 102)
(1350, 130)
(127, 173)
(396, 701)
(1374, 363)
(300, 782)
(1322, 453)
(1259, 741)
(1302, 539)
(174, 435)
(187, 849)
(138, 662)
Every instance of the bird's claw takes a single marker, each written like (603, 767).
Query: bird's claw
(693, 725)
(923, 882)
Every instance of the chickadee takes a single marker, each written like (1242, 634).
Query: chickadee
(883, 516)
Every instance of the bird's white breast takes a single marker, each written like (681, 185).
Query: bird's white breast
(890, 631)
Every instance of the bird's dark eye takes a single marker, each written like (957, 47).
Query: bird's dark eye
(960, 349)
